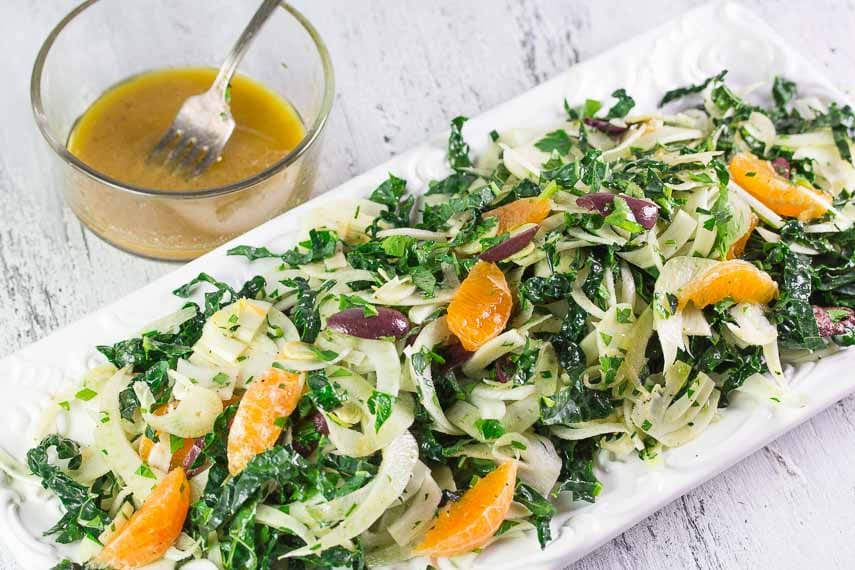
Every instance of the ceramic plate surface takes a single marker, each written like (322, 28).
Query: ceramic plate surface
(691, 48)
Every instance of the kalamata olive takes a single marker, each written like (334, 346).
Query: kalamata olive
(505, 369)
(510, 246)
(646, 213)
(386, 323)
(455, 355)
(189, 459)
(307, 446)
(828, 326)
(782, 166)
(605, 126)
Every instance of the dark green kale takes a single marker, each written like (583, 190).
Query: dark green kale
(83, 514)
(337, 557)
(157, 379)
(434, 446)
(577, 469)
(458, 150)
(252, 253)
(590, 169)
(783, 91)
(525, 189)
(600, 260)
(320, 245)
(542, 290)
(735, 364)
(454, 183)
(622, 107)
(392, 193)
(143, 352)
(720, 214)
(324, 393)
(557, 140)
(584, 111)
(380, 404)
(473, 229)
(436, 217)
(575, 403)
(541, 509)
(490, 429)
(238, 546)
(274, 467)
(681, 92)
(566, 341)
(793, 312)
(305, 313)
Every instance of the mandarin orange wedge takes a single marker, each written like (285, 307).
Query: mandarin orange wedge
(481, 307)
(734, 279)
(472, 521)
(519, 212)
(258, 420)
(153, 529)
(758, 178)
(147, 444)
(737, 248)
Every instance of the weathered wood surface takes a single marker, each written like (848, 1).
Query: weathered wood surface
(402, 70)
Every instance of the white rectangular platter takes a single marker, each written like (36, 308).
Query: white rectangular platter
(714, 37)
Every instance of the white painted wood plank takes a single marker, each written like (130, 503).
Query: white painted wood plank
(403, 70)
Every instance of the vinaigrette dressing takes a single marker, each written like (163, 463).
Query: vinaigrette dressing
(117, 132)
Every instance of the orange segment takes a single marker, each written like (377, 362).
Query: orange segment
(519, 212)
(758, 178)
(472, 521)
(257, 423)
(738, 247)
(152, 529)
(481, 307)
(734, 279)
(146, 444)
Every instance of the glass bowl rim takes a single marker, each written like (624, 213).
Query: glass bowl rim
(312, 134)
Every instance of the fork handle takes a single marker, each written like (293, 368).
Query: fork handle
(227, 70)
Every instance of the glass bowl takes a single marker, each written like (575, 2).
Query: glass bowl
(104, 42)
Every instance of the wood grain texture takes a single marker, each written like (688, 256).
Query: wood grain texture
(403, 69)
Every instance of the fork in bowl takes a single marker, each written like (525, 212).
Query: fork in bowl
(203, 125)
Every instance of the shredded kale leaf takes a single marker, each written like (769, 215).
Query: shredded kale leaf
(380, 404)
(147, 350)
(458, 150)
(557, 140)
(783, 91)
(436, 217)
(541, 509)
(681, 92)
(83, 514)
(454, 183)
(270, 468)
(305, 313)
(793, 312)
(392, 193)
(320, 245)
(324, 393)
(542, 290)
(577, 469)
(156, 379)
(622, 107)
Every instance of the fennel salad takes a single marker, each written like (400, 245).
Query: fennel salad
(423, 376)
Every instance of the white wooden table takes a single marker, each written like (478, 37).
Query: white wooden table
(403, 69)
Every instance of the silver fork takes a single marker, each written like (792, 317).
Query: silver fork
(203, 125)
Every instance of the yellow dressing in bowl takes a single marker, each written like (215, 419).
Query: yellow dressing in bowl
(117, 132)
